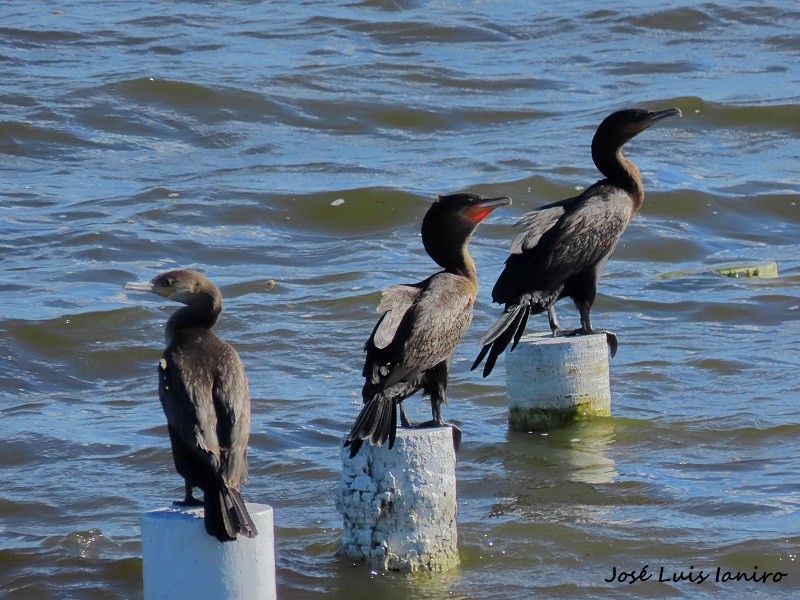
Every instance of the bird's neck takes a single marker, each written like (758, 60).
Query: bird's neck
(201, 314)
(622, 173)
(466, 266)
(447, 243)
(459, 262)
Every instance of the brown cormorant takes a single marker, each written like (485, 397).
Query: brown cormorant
(422, 323)
(563, 246)
(205, 396)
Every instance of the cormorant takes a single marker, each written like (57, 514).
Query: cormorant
(422, 323)
(564, 246)
(205, 396)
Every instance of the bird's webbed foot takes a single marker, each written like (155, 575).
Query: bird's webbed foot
(188, 499)
(553, 321)
(561, 332)
(188, 502)
(611, 337)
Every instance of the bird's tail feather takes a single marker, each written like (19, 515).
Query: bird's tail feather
(226, 515)
(245, 524)
(509, 327)
(377, 422)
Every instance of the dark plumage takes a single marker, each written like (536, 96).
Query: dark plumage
(205, 396)
(563, 247)
(422, 323)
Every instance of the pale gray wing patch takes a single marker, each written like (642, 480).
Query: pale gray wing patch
(395, 302)
(440, 320)
(535, 224)
(588, 234)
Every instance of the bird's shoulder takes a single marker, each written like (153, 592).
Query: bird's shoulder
(396, 300)
(201, 367)
(204, 391)
(424, 331)
(441, 316)
(601, 206)
(603, 210)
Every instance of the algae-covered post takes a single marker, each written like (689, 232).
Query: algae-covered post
(180, 560)
(555, 380)
(399, 505)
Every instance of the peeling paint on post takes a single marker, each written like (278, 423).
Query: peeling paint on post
(551, 381)
(399, 505)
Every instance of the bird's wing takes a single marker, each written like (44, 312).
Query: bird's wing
(534, 225)
(433, 328)
(558, 246)
(185, 390)
(231, 396)
(588, 233)
(394, 304)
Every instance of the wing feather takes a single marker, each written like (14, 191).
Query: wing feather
(208, 404)
(439, 319)
(395, 302)
(535, 224)
(563, 240)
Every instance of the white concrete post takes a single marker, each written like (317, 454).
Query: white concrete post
(180, 560)
(399, 505)
(551, 381)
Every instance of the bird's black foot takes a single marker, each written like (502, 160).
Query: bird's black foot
(559, 332)
(404, 422)
(456, 430)
(188, 498)
(611, 337)
(190, 501)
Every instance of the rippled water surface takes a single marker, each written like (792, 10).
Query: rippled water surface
(140, 136)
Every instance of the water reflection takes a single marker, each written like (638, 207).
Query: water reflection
(357, 582)
(575, 452)
(554, 475)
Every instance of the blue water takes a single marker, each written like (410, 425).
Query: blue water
(137, 137)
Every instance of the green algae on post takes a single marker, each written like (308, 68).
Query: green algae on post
(541, 419)
(551, 381)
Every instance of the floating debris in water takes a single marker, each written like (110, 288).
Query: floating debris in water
(337, 202)
(763, 270)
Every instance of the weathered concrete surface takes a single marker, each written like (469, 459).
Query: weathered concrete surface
(399, 505)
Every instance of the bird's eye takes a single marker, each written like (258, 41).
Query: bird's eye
(168, 282)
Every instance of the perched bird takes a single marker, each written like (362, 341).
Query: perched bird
(422, 323)
(564, 246)
(205, 396)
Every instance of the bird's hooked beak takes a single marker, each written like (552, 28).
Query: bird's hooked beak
(138, 286)
(663, 114)
(481, 209)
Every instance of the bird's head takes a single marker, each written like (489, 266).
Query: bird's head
(623, 125)
(450, 221)
(180, 285)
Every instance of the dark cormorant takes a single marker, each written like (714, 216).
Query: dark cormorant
(205, 396)
(422, 323)
(564, 246)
